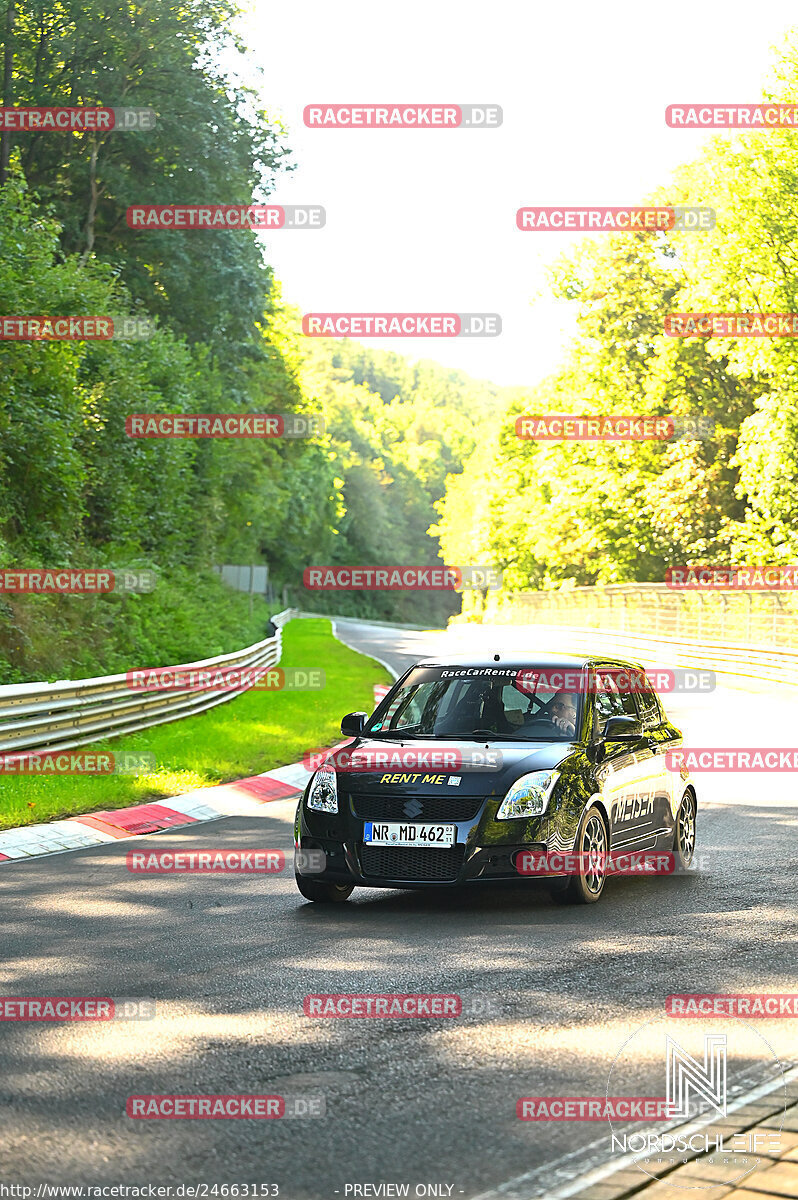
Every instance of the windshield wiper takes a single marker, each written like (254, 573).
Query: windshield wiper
(500, 737)
(378, 736)
(474, 734)
(397, 735)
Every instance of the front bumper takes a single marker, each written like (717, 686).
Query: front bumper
(484, 848)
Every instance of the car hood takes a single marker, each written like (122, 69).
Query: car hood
(423, 766)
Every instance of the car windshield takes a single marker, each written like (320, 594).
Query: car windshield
(522, 701)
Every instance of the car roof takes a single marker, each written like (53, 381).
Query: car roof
(524, 658)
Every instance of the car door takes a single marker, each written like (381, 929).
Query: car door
(628, 773)
(661, 736)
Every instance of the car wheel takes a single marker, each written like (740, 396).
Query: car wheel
(593, 840)
(684, 833)
(321, 892)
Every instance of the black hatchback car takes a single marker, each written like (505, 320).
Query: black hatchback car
(481, 769)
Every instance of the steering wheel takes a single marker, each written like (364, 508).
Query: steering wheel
(544, 718)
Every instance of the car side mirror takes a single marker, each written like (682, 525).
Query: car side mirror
(622, 729)
(353, 724)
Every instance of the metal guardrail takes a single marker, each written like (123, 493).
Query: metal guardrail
(777, 666)
(666, 626)
(766, 618)
(68, 713)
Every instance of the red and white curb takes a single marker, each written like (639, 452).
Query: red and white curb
(242, 798)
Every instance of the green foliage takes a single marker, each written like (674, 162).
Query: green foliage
(211, 144)
(190, 615)
(554, 514)
(397, 430)
(419, 462)
(75, 490)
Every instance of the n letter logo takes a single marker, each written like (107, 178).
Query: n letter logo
(686, 1075)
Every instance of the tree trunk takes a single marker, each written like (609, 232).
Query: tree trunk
(92, 205)
(8, 66)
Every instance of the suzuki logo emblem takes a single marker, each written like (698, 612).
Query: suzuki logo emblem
(412, 808)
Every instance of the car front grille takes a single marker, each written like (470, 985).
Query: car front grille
(410, 865)
(385, 807)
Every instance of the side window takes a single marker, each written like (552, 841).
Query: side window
(610, 700)
(425, 704)
(408, 709)
(647, 702)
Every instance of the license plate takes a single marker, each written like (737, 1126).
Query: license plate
(377, 833)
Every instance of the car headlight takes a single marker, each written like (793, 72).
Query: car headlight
(529, 795)
(323, 794)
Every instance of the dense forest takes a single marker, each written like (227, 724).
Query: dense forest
(554, 513)
(74, 489)
(418, 461)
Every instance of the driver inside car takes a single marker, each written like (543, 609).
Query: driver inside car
(562, 710)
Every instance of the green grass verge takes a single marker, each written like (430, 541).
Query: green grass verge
(254, 733)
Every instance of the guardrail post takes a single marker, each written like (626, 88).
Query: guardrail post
(700, 615)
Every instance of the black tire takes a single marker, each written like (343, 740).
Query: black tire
(684, 833)
(321, 892)
(586, 887)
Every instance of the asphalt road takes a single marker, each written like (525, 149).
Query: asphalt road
(550, 995)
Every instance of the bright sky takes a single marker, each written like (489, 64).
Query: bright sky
(424, 221)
